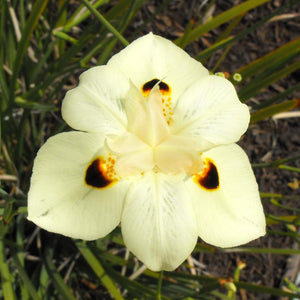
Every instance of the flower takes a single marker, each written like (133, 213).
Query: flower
(155, 151)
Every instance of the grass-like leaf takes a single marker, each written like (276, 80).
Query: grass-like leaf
(265, 79)
(26, 280)
(6, 276)
(271, 110)
(97, 267)
(31, 23)
(219, 20)
(105, 23)
(272, 60)
(62, 288)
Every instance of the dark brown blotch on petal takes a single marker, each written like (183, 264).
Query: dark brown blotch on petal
(209, 177)
(96, 175)
(210, 180)
(148, 86)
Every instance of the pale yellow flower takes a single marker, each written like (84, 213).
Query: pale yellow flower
(155, 151)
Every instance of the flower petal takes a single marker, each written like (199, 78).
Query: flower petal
(134, 156)
(96, 105)
(177, 155)
(211, 110)
(61, 201)
(153, 57)
(227, 203)
(145, 116)
(158, 222)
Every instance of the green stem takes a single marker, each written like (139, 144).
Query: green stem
(161, 274)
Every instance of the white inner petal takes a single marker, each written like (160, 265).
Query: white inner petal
(148, 144)
(146, 119)
(133, 155)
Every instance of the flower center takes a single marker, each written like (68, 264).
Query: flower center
(149, 145)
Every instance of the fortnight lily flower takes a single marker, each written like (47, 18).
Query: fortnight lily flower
(154, 149)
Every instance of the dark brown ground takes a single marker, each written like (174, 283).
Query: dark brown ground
(264, 142)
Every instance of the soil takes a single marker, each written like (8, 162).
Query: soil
(264, 142)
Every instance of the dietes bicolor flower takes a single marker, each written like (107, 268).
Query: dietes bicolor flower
(153, 148)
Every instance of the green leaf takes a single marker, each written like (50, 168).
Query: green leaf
(80, 15)
(289, 168)
(24, 276)
(20, 238)
(43, 282)
(65, 37)
(4, 90)
(272, 220)
(257, 288)
(63, 290)
(134, 287)
(37, 10)
(271, 60)
(271, 110)
(275, 163)
(105, 23)
(281, 251)
(96, 266)
(218, 20)
(214, 282)
(6, 277)
(265, 79)
(281, 96)
(34, 105)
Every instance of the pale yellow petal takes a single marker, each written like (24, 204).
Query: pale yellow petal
(227, 203)
(61, 201)
(154, 57)
(158, 222)
(211, 110)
